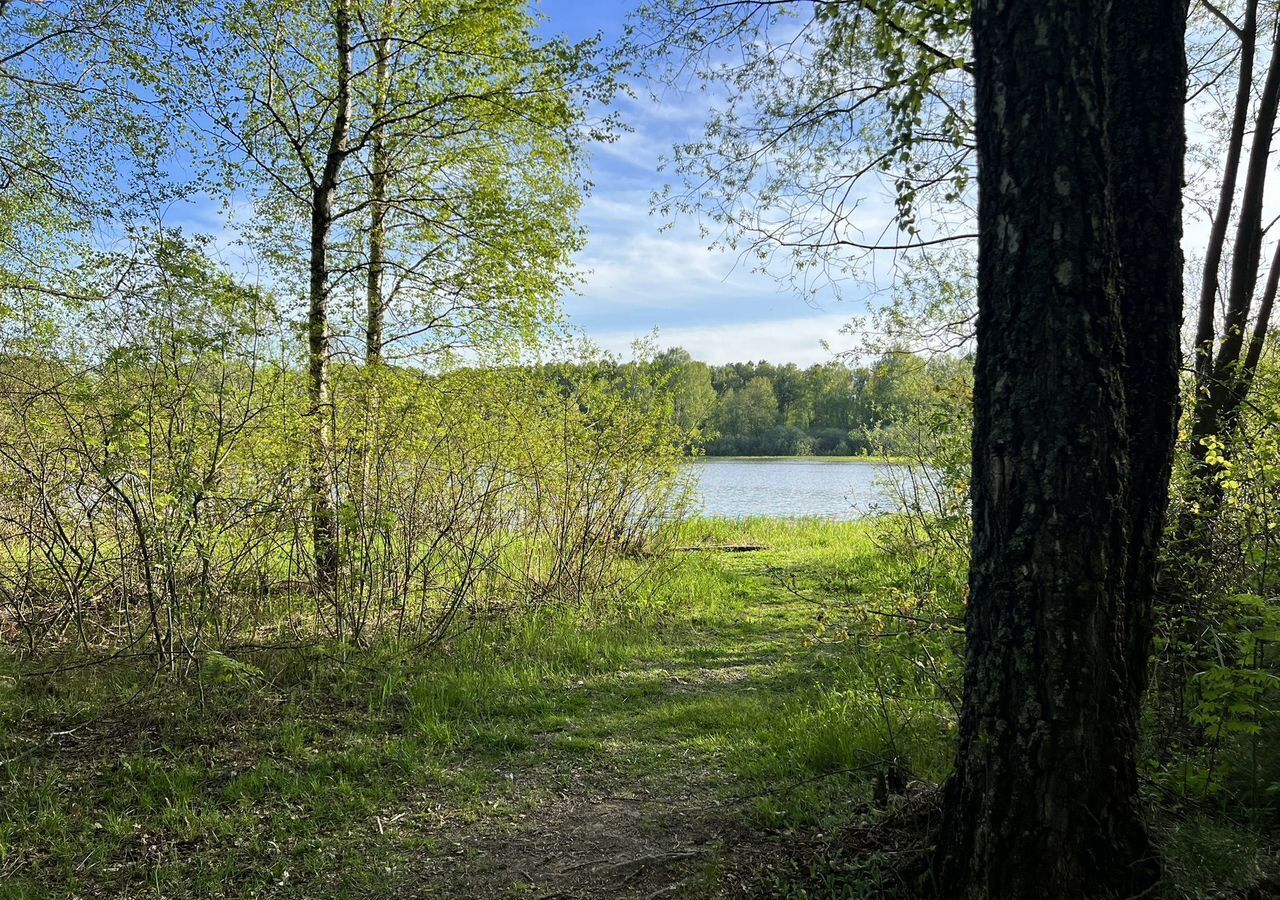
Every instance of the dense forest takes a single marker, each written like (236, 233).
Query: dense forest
(761, 408)
(833, 409)
(336, 561)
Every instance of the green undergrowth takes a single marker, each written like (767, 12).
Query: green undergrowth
(279, 771)
(772, 688)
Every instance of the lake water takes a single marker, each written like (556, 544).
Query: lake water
(735, 488)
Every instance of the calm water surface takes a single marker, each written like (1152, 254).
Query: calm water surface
(836, 488)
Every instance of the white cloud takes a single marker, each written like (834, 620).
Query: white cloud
(798, 340)
(664, 271)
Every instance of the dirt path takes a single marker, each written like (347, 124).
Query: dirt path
(585, 847)
(655, 813)
(597, 831)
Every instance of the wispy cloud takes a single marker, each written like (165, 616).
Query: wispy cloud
(799, 339)
(646, 270)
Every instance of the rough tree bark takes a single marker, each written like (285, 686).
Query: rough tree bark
(324, 516)
(1147, 87)
(1080, 144)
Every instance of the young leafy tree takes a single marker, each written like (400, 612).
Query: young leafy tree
(749, 410)
(421, 157)
(82, 139)
(1079, 292)
(471, 179)
(79, 130)
(692, 394)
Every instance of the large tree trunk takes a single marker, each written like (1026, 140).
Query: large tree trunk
(324, 517)
(1079, 114)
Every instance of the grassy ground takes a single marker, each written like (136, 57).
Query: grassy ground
(677, 748)
(556, 750)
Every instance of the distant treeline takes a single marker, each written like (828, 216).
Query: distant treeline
(832, 409)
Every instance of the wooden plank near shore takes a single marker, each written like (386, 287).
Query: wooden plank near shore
(720, 548)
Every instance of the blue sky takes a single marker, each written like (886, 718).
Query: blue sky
(640, 277)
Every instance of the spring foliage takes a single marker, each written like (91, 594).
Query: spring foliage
(154, 491)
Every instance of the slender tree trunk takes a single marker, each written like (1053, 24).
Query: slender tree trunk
(1262, 324)
(323, 488)
(375, 314)
(1223, 372)
(1079, 112)
(1208, 305)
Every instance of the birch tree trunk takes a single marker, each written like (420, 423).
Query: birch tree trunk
(375, 313)
(323, 487)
